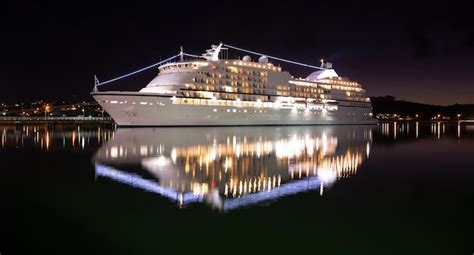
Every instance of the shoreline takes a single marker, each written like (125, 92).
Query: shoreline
(54, 120)
(109, 120)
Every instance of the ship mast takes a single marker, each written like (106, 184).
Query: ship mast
(96, 83)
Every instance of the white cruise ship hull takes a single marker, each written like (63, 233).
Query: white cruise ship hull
(143, 109)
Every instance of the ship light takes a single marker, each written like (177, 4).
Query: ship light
(326, 175)
(173, 155)
(157, 162)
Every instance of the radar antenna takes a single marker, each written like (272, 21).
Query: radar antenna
(213, 53)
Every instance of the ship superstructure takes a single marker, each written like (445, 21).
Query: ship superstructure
(212, 91)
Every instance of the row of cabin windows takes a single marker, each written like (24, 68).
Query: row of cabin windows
(302, 94)
(355, 94)
(357, 99)
(231, 76)
(227, 89)
(188, 65)
(253, 92)
(231, 103)
(236, 77)
(224, 86)
(343, 82)
(306, 89)
(230, 96)
(244, 90)
(279, 93)
(300, 89)
(245, 71)
(346, 88)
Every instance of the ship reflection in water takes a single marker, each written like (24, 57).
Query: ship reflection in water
(230, 168)
(93, 187)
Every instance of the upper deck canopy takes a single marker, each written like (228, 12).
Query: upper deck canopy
(321, 74)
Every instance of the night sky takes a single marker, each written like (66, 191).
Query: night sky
(416, 52)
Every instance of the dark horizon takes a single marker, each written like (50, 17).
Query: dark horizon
(418, 52)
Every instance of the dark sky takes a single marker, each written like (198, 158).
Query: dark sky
(414, 51)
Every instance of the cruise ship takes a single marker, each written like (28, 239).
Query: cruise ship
(209, 90)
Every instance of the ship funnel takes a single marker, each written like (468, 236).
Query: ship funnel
(325, 64)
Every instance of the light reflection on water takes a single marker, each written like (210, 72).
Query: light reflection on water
(121, 190)
(437, 130)
(233, 167)
(54, 137)
(227, 168)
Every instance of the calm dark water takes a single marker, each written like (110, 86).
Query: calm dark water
(387, 189)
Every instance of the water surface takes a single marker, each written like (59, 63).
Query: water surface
(392, 188)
